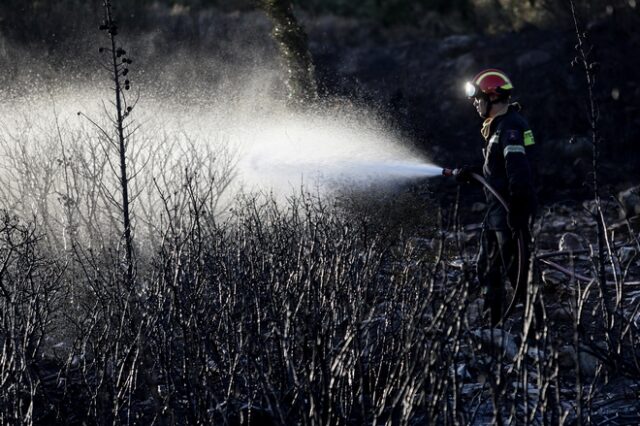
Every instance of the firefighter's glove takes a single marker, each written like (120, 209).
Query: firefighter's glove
(518, 217)
(464, 173)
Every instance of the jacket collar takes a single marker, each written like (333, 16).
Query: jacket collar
(486, 125)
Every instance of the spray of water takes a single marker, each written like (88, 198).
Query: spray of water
(236, 136)
(232, 103)
(328, 149)
(274, 147)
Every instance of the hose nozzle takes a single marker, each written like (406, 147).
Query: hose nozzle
(448, 172)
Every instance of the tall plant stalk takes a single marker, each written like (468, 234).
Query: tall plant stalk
(584, 60)
(119, 62)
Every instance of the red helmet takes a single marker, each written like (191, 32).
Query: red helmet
(490, 82)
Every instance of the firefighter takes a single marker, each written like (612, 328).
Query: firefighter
(507, 151)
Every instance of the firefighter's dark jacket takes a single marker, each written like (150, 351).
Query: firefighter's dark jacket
(508, 167)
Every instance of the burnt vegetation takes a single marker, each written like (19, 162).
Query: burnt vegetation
(310, 311)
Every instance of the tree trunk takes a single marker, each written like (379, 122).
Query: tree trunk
(293, 44)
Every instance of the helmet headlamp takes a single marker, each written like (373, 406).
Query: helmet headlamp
(470, 89)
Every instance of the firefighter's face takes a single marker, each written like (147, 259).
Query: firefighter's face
(482, 106)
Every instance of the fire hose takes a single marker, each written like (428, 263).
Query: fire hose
(521, 279)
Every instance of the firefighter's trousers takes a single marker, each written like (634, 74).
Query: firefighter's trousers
(498, 257)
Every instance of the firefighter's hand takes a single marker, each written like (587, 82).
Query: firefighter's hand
(463, 174)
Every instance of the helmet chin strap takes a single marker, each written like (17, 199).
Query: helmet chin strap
(490, 104)
(485, 113)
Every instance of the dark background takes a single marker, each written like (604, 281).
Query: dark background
(406, 58)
